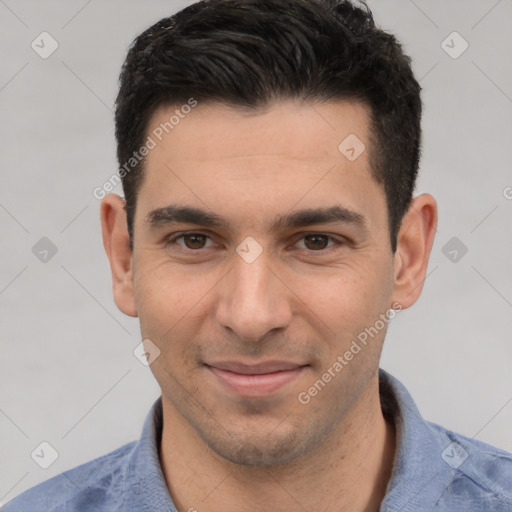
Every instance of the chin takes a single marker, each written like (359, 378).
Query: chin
(249, 449)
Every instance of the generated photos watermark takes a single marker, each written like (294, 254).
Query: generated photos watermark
(152, 141)
(355, 348)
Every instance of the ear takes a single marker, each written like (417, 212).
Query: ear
(414, 244)
(116, 241)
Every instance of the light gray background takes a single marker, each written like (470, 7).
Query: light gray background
(67, 372)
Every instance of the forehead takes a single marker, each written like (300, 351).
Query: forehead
(237, 162)
(292, 128)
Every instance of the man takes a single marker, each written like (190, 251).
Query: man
(269, 151)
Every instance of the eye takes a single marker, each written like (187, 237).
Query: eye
(317, 242)
(192, 241)
(313, 242)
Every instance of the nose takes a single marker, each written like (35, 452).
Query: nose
(253, 299)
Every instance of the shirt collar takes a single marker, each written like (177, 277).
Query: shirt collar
(419, 474)
(145, 488)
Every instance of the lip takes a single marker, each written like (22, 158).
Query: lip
(255, 380)
(255, 369)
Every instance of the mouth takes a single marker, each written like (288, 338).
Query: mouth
(255, 380)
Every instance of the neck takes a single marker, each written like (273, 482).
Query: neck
(349, 470)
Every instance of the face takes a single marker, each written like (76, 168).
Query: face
(265, 294)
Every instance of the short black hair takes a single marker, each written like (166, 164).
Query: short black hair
(248, 53)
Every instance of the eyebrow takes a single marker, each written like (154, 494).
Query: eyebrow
(174, 214)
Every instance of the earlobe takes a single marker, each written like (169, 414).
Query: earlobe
(116, 242)
(414, 245)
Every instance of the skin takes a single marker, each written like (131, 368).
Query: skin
(301, 300)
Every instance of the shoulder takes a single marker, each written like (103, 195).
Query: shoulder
(86, 487)
(481, 474)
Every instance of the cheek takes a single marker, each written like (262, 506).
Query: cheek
(169, 305)
(174, 304)
(339, 301)
(168, 297)
(347, 298)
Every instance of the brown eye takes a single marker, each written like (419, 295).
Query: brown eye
(320, 242)
(194, 240)
(316, 242)
(190, 241)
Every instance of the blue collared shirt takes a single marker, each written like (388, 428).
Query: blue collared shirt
(434, 470)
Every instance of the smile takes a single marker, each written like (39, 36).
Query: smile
(257, 380)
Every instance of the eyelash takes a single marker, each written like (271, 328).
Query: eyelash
(173, 238)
